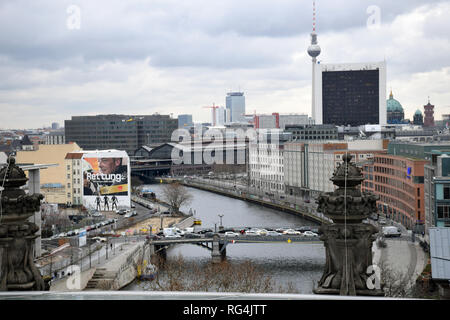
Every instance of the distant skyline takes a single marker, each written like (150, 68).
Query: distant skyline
(68, 58)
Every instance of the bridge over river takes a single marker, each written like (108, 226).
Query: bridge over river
(217, 244)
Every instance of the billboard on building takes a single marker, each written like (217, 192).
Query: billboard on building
(106, 180)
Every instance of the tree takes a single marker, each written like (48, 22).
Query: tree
(176, 195)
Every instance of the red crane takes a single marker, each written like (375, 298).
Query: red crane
(213, 107)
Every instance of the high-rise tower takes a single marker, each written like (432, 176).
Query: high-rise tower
(313, 51)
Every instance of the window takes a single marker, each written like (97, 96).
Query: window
(443, 212)
(447, 192)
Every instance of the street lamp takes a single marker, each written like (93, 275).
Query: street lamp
(220, 216)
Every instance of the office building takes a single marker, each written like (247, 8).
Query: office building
(121, 132)
(221, 116)
(312, 132)
(235, 104)
(266, 166)
(399, 182)
(185, 121)
(350, 94)
(308, 166)
(55, 137)
(280, 121)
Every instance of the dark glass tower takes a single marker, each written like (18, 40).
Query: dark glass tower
(350, 97)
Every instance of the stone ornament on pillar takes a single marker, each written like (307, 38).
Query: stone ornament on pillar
(348, 241)
(17, 235)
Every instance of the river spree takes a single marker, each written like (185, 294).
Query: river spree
(297, 264)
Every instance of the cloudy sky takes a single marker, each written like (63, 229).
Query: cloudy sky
(83, 57)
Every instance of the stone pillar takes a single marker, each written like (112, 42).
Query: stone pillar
(34, 186)
(215, 253)
(348, 242)
(17, 235)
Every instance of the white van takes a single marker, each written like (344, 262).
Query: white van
(391, 231)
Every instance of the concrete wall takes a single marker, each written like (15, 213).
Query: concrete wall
(128, 271)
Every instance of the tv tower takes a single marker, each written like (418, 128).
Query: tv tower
(313, 51)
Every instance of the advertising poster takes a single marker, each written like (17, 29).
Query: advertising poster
(106, 180)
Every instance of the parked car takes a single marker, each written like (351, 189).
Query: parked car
(292, 232)
(310, 234)
(273, 233)
(121, 211)
(251, 233)
(262, 232)
(231, 234)
(382, 220)
(99, 239)
(204, 231)
(391, 231)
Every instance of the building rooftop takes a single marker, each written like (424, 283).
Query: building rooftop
(440, 253)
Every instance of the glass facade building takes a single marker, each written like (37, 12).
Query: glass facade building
(121, 132)
(350, 94)
(350, 97)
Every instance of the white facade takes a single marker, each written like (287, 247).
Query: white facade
(74, 179)
(266, 166)
(294, 168)
(311, 167)
(317, 95)
(55, 138)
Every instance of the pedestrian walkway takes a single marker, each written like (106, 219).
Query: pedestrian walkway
(402, 256)
(104, 268)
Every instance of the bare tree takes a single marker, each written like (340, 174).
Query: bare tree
(395, 283)
(179, 275)
(176, 195)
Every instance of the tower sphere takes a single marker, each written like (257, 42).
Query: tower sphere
(314, 50)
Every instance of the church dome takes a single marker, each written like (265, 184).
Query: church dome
(418, 112)
(393, 105)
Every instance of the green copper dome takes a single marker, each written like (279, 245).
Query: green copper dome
(418, 112)
(393, 105)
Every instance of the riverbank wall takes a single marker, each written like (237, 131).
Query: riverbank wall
(301, 210)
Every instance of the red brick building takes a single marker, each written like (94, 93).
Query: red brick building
(399, 181)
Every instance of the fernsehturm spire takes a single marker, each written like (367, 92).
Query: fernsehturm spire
(313, 51)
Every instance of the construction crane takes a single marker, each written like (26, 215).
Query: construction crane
(213, 107)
